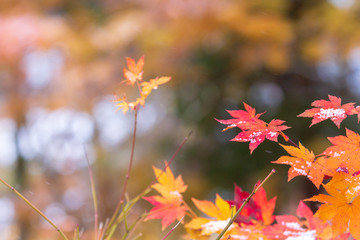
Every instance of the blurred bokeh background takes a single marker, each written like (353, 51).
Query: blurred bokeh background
(61, 62)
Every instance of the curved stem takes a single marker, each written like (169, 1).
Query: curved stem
(35, 208)
(116, 220)
(131, 159)
(172, 229)
(93, 192)
(121, 201)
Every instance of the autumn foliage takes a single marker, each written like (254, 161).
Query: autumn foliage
(249, 215)
(134, 75)
(338, 216)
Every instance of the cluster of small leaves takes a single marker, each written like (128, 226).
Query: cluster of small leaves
(134, 75)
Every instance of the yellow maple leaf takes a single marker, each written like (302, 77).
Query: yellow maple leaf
(167, 184)
(220, 212)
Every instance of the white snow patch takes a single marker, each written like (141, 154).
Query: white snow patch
(292, 225)
(307, 235)
(215, 226)
(272, 134)
(175, 193)
(333, 113)
(300, 171)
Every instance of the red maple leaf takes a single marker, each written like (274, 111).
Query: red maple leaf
(288, 227)
(253, 129)
(251, 209)
(309, 227)
(258, 208)
(242, 119)
(329, 110)
(167, 209)
(267, 206)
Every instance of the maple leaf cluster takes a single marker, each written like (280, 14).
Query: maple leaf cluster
(340, 162)
(250, 223)
(255, 221)
(134, 75)
(169, 205)
(338, 216)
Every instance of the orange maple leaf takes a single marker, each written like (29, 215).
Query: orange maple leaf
(242, 119)
(337, 207)
(329, 110)
(134, 72)
(134, 75)
(253, 129)
(303, 162)
(345, 151)
(169, 206)
(167, 183)
(147, 87)
(347, 183)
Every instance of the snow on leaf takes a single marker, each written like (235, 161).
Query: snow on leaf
(303, 162)
(346, 183)
(253, 129)
(345, 151)
(331, 109)
(307, 226)
(289, 227)
(337, 208)
(220, 214)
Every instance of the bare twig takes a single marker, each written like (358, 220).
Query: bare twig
(244, 204)
(172, 229)
(121, 200)
(93, 192)
(35, 208)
